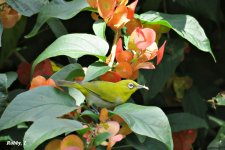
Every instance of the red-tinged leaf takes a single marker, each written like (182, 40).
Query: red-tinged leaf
(144, 65)
(119, 47)
(119, 18)
(132, 24)
(44, 69)
(144, 37)
(160, 53)
(23, 72)
(131, 9)
(72, 141)
(106, 8)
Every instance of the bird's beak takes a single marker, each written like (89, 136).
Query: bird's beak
(142, 87)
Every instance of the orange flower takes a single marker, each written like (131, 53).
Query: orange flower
(9, 17)
(113, 128)
(115, 12)
(41, 81)
(142, 37)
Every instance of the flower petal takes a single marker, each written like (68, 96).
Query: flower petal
(144, 65)
(131, 9)
(106, 8)
(160, 53)
(119, 18)
(144, 37)
(119, 47)
(113, 140)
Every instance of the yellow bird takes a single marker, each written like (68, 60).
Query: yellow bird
(103, 93)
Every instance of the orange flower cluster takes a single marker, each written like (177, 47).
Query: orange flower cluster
(8, 16)
(141, 49)
(116, 13)
(41, 81)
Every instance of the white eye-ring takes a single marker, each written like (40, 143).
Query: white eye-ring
(130, 85)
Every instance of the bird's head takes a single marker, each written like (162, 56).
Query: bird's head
(130, 86)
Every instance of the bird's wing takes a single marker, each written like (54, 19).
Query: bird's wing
(106, 92)
(72, 85)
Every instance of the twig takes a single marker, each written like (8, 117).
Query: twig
(113, 50)
(20, 57)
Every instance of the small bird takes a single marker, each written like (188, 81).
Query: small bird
(103, 93)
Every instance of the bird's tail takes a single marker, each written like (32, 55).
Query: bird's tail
(69, 84)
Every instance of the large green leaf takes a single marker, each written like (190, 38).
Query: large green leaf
(57, 27)
(27, 7)
(95, 70)
(184, 121)
(193, 103)
(47, 128)
(35, 104)
(6, 79)
(99, 28)
(3, 91)
(218, 143)
(11, 77)
(149, 121)
(58, 9)
(67, 71)
(156, 79)
(184, 25)
(147, 144)
(74, 46)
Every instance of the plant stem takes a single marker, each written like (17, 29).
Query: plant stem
(20, 57)
(113, 50)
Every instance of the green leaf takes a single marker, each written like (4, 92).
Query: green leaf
(65, 73)
(10, 38)
(184, 25)
(193, 103)
(149, 121)
(99, 28)
(90, 114)
(220, 99)
(95, 70)
(47, 128)
(148, 144)
(77, 95)
(57, 27)
(35, 104)
(156, 79)
(74, 46)
(27, 7)
(184, 121)
(3, 92)
(58, 9)
(11, 77)
(101, 138)
(219, 141)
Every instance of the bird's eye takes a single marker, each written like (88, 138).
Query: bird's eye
(130, 85)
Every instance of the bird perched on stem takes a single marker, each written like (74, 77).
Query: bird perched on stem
(103, 93)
